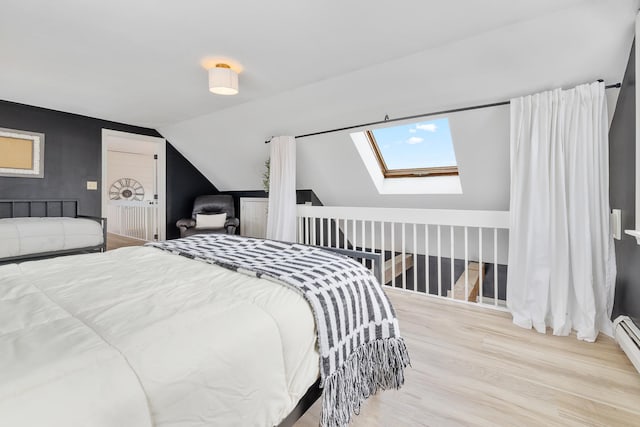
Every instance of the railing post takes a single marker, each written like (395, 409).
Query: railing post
(364, 241)
(355, 239)
(466, 263)
(373, 236)
(383, 254)
(495, 266)
(307, 232)
(426, 259)
(393, 254)
(345, 233)
(415, 258)
(453, 258)
(439, 263)
(404, 258)
(481, 270)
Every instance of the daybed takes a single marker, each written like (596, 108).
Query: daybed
(32, 229)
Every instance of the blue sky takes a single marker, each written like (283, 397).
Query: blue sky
(418, 145)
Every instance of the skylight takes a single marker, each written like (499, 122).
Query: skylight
(414, 150)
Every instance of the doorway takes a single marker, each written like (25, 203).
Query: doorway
(133, 188)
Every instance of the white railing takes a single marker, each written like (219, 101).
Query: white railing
(455, 254)
(136, 219)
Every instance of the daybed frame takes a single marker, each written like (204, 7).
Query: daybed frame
(49, 208)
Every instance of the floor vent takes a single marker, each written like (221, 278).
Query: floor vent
(628, 336)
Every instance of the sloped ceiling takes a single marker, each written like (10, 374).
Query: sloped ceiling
(575, 45)
(142, 61)
(308, 67)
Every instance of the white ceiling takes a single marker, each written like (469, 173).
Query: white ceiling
(561, 49)
(311, 66)
(140, 61)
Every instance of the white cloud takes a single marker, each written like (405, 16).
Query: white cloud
(412, 130)
(431, 127)
(415, 140)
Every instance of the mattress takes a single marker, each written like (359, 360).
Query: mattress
(25, 236)
(141, 337)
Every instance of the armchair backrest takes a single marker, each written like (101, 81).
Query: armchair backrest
(217, 203)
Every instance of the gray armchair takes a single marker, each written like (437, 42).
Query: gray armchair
(214, 204)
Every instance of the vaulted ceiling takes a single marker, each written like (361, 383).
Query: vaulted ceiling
(141, 62)
(306, 66)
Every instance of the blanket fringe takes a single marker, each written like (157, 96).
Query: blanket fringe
(373, 366)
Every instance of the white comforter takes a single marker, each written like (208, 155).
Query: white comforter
(139, 337)
(25, 236)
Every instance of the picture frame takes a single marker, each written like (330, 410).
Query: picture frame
(21, 153)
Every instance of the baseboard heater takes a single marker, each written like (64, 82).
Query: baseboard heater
(627, 335)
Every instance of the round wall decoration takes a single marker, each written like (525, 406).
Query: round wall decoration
(126, 189)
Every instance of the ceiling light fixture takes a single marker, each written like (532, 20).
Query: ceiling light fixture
(223, 80)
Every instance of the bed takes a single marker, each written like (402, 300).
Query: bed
(142, 336)
(32, 229)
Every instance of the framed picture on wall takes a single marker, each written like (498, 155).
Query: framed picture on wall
(21, 153)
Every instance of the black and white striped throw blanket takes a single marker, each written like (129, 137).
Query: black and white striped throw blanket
(359, 340)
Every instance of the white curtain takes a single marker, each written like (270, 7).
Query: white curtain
(281, 221)
(561, 270)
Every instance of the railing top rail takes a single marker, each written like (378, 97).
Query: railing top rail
(470, 218)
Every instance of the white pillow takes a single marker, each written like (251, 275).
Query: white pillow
(210, 221)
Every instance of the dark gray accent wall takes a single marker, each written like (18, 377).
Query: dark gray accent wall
(184, 184)
(622, 188)
(72, 156)
(302, 196)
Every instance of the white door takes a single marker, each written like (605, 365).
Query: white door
(133, 185)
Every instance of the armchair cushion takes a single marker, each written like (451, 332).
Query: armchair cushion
(211, 220)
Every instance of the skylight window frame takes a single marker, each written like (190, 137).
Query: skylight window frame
(407, 173)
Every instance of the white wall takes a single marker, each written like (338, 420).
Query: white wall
(563, 49)
(131, 165)
(481, 144)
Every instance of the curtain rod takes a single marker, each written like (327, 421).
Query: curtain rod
(416, 116)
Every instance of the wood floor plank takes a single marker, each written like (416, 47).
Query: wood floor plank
(115, 241)
(585, 412)
(473, 367)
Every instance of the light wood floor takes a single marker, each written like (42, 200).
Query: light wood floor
(115, 241)
(473, 367)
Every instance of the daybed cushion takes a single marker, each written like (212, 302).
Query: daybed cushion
(25, 236)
